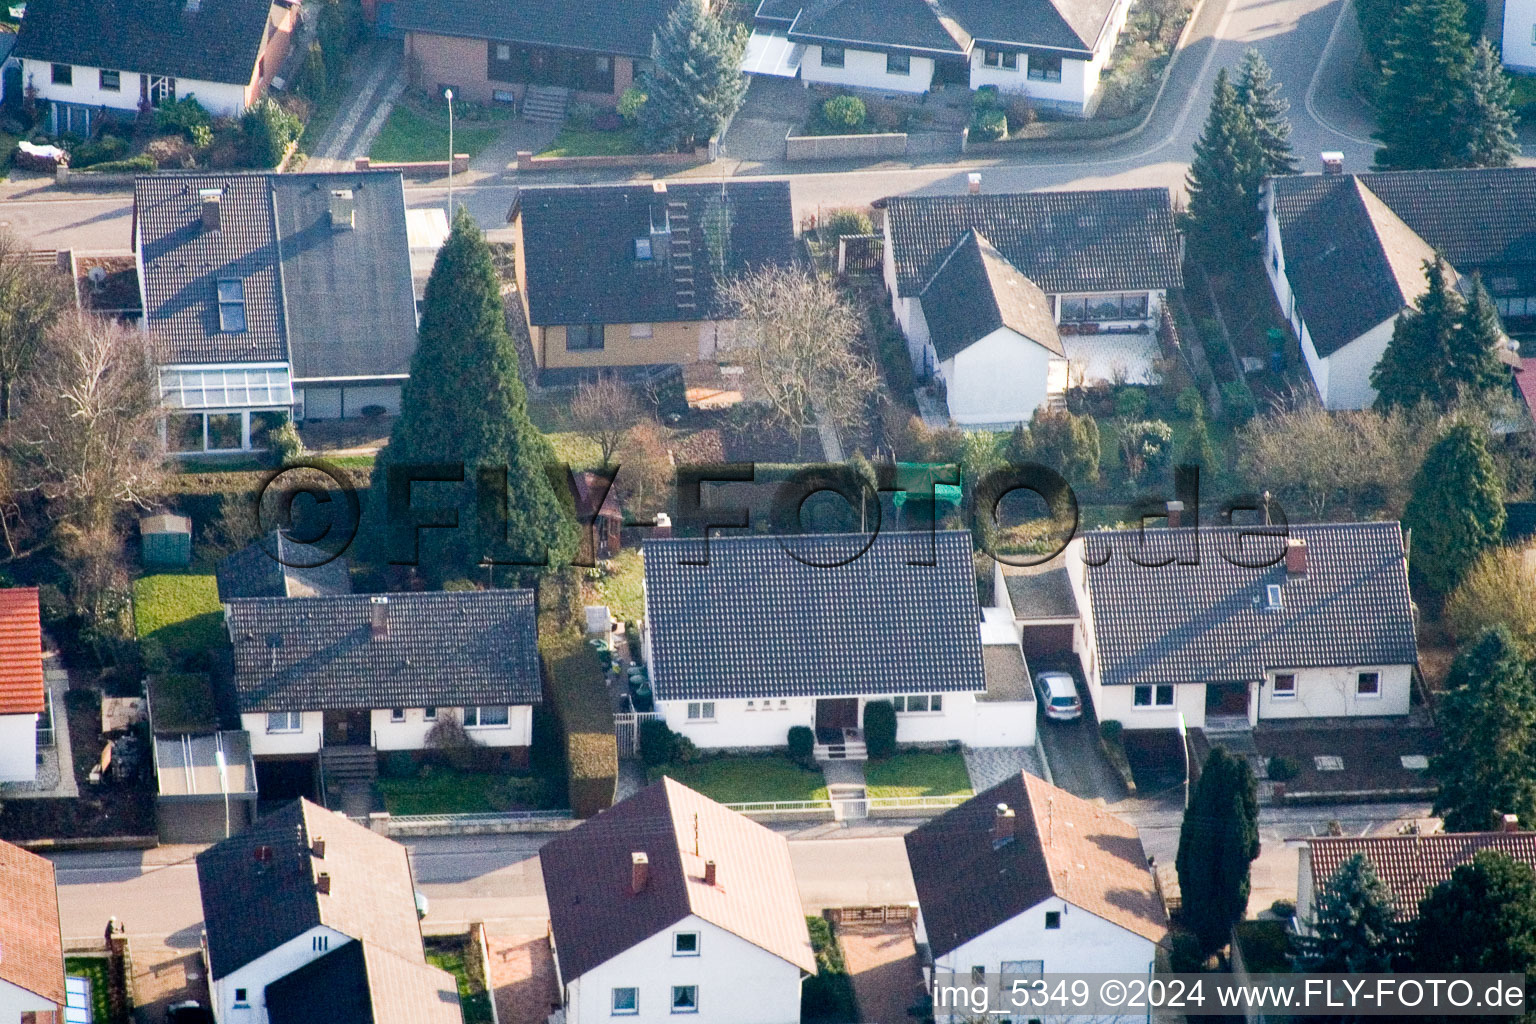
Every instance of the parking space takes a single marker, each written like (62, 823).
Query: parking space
(1078, 764)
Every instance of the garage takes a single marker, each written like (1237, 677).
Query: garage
(1044, 639)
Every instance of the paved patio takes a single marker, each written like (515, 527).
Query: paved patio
(988, 766)
(522, 978)
(163, 975)
(55, 769)
(882, 961)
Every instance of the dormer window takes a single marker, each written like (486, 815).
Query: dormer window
(1272, 598)
(232, 306)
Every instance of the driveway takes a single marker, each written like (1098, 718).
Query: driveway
(1077, 763)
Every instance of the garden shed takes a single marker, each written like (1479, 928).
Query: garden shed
(166, 539)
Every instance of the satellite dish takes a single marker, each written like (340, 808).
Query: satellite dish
(98, 277)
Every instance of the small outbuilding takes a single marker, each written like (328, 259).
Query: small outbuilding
(165, 539)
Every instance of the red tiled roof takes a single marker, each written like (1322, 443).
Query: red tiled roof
(1413, 865)
(21, 652)
(31, 953)
(1525, 379)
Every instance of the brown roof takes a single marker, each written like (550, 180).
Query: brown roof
(595, 916)
(1063, 846)
(21, 652)
(1413, 865)
(31, 954)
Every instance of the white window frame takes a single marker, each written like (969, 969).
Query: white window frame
(101, 80)
(290, 717)
(899, 72)
(1375, 693)
(473, 716)
(642, 330)
(701, 711)
(634, 993)
(430, 714)
(1053, 915)
(676, 990)
(842, 57)
(678, 937)
(1287, 694)
(397, 714)
(1154, 691)
(1274, 596)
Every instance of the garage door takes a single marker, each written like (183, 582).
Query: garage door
(1041, 640)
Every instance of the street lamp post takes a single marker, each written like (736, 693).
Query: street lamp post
(448, 95)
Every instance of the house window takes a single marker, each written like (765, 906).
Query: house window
(917, 702)
(285, 721)
(701, 711)
(685, 999)
(978, 974)
(63, 74)
(1044, 69)
(685, 944)
(583, 337)
(1159, 696)
(626, 1001)
(831, 57)
(1273, 596)
(489, 716)
(112, 81)
(1368, 684)
(751, 705)
(1023, 968)
(430, 714)
(898, 64)
(640, 330)
(1285, 686)
(240, 999)
(1073, 308)
(1052, 920)
(397, 714)
(503, 51)
(1006, 60)
(231, 306)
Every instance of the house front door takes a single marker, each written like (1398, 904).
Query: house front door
(346, 728)
(1224, 700)
(837, 713)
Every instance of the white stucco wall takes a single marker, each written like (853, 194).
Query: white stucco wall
(18, 748)
(865, 69)
(737, 980)
(218, 98)
(1348, 379)
(1003, 378)
(15, 1000)
(735, 726)
(1330, 693)
(1519, 41)
(255, 976)
(1119, 703)
(411, 734)
(1079, 85)
(1003, 724)
(264, 744)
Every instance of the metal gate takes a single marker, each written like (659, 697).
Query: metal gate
(626, 730)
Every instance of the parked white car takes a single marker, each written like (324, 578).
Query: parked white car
(1058, 696)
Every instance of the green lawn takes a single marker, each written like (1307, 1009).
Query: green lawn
(748, 779)
(93, 968)
(620, 586)
(179, 609)
(918, 773)
(449, 953)
(449, 792)
(573, 449)
(589, 142)
(418, 131)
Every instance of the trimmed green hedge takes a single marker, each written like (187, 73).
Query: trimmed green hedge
(576, 695)
(827, 996)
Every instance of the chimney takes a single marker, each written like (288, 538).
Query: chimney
(210, 211)
(709, 872)
(973, 183)
(323, 883)
(663, 526)
(1175, 514)
(378, 620)
(343, 210)
(1509, 823)
(1295, 557)
(1003, 824)
(639, 872)
(317, 847)
(1333, 162)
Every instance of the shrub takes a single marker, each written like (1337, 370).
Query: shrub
(608, 121)
(844, 113)
(459, 586)
(313, 81)
(398, 764)
(802, 744)
(655, 743)
(838, 223)
(133, 165)
(580, 115)
(1020, 111)
(170, 151)
(284, 444)
(985, 98)
(683, 749)
(1189, 402)
(1131, 403)
(181, 116)
(578, 696)
(1239, 401)
(1184, 953)
(1283, 908)
(267, 130)
(449, 744)
(372, 412)
(103, 149)
(989, 125)
(880, 728)
(1111, 730)
(630, 104)
(827, 995)
(1283, 769)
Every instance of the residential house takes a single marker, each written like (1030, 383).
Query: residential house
(343, 677)
(653, 259)
(668, 903)
(1052, 50)
(1410, 865)
(32, 985)
(88, 60)
(1227, 626)
(1519, 36)
(1345, 255)
(311, 917)
(1026, 879)
(278, 566)
(493, 52)
(976, 279)
(23, 696)
(747, 636)
(273, 295)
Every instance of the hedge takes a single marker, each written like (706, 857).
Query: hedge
(574, 691)
(827, 996)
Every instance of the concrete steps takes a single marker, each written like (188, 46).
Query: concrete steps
(545, 103)
(348, 765)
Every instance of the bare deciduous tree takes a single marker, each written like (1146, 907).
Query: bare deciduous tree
(32, 297)
(798, 337)
(645, 470)
(602, 411)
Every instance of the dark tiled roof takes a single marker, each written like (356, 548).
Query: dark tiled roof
(219, 42)
(29, 924)
(778, 10)
(1413, 865)
(887, 24)
(338, 303)
(1209, 623)
(594, 227)
(1063, 846)
(595, 915)
(1104, 240)
(259, 887)
(1059, 24)
(359, 983)
(442, 649)
(975, 291)
(759, 622)
(623, 27)
(278, 567)
(1475, 217)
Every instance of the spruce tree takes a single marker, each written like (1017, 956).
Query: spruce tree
(1259, 94)
(1481, 919)
(1197, 449)
(1456, 511)
(1486, 766)
(1224, 181)
(1474, 369)
(1354, 929)
(465, 405)
(1409, 371)
(1420, 105)
(1218, 840)
(1489, 111)
(694, 84)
